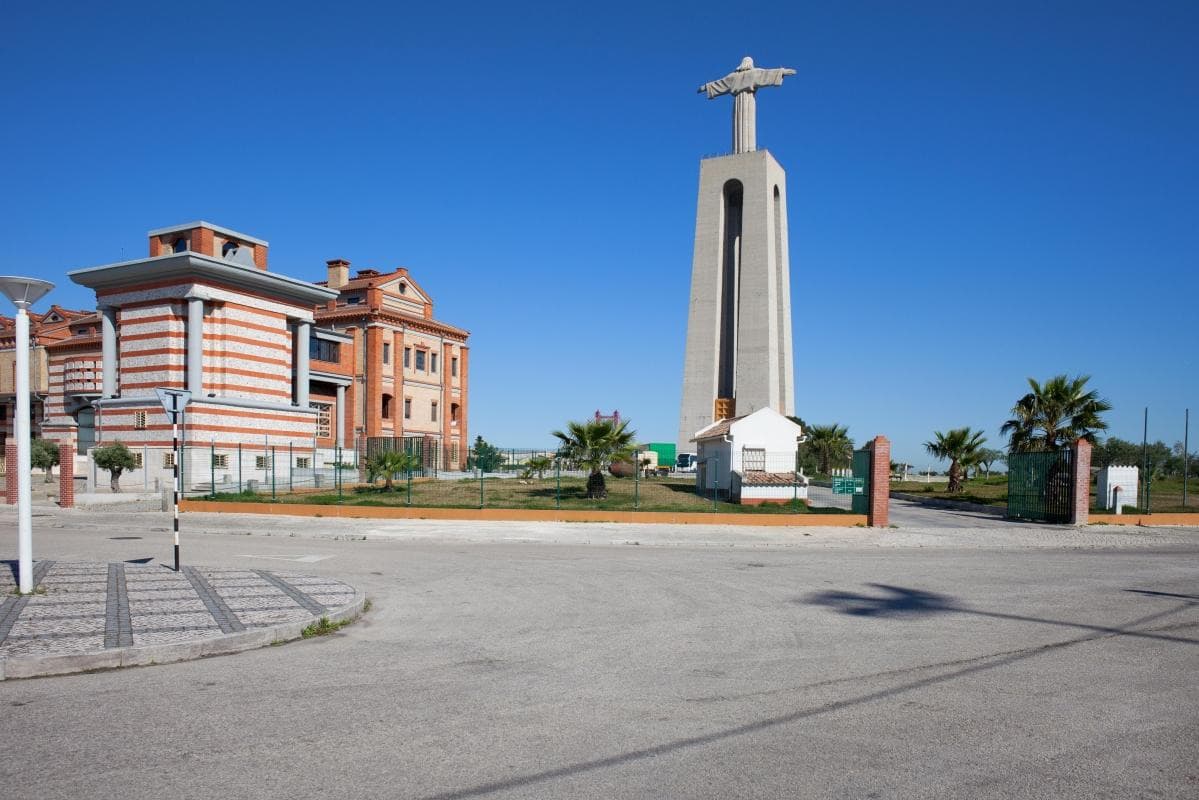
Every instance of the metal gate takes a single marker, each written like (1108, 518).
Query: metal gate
(1040, 486)
(860, 503)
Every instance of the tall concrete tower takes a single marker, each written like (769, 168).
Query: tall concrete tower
(739, 355)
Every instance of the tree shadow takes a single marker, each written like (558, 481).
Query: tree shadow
(13, 567)
(896, 602)
(1172, 595)
(899, 602)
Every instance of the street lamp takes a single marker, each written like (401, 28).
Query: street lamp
(23, 292)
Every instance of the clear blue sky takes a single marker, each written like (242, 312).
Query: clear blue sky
(967, 181)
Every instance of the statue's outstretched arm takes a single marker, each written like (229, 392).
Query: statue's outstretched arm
(787, 71)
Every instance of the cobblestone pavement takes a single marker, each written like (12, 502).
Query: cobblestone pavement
(81, 608)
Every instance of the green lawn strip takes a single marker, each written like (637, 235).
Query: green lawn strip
(623, 495)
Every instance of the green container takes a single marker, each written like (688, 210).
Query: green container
(665, 451)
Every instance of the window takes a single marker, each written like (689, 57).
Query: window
(303, 462)
(354, 299)
(407, 357)
(229, 249)
(168, 459)
(433, 411)
(455, 411)
(324, 350)
(387, 406)
(220, 461)
(324, 419)
(407, 408)
(386, 352)
(454, 367)
(137, 460)
(420, 360)
(432, 362)
(179, 245)
(403, 288)
(753, 459)
(139, 420)
(261, 462)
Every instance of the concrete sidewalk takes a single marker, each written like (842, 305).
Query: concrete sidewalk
(90, 615)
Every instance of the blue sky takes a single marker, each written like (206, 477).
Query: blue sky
(978, 192)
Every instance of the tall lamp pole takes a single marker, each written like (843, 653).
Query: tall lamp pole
(23, 292)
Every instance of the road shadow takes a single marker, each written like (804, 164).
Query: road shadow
(897, 601)
(1171, 595)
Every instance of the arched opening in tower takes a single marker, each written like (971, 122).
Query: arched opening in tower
(730, 289)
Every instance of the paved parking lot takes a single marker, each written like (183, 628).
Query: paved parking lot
(510, 660)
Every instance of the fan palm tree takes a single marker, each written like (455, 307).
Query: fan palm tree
(595, 444)
(388, 464)
(1055, 414)
(961, 448)
(832, 446)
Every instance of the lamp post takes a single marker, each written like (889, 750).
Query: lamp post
(23, 292)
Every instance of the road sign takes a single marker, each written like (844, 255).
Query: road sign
(173, 401)
(843, 485)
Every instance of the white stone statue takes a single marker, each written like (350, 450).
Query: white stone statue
(742, 83)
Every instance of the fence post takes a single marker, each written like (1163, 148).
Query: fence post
(795, 498)
(274, 497)
(146, 468)
(337, 476)
(636, 479)
(409, 485)
(1082, 482)
(291, 469)
(239, 467)
(212, 466)
(480, 486)
(715, 482)
(558, 484)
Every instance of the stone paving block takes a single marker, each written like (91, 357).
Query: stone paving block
(152, 607)
(174, 620)
(270, 617)
(170, 637)
(33, 627)
(49, 646)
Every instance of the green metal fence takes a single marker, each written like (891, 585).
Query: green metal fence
(1041, 486)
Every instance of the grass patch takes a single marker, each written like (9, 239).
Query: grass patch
(624, 494)
(982, 491)
(323, 627)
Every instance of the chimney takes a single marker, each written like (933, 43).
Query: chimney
(339, 273)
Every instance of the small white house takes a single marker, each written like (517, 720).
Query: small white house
(751, 459)
(1117, 487)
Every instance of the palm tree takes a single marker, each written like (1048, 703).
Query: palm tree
(538, 464)
(1055, 414)
(960, 447)
(388, 464)
(987, 457)
(595, 444)
(832, 446)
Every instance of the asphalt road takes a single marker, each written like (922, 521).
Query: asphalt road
(697, 663)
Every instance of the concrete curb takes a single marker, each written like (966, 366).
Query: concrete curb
(146, 655)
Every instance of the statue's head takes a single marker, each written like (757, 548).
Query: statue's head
(746, 63)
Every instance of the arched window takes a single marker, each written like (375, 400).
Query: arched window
(179, 245)
(229, 249)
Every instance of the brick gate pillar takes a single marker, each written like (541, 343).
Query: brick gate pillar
(10, 471)
(879, 503)
(66, 475)
(1080, 513)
